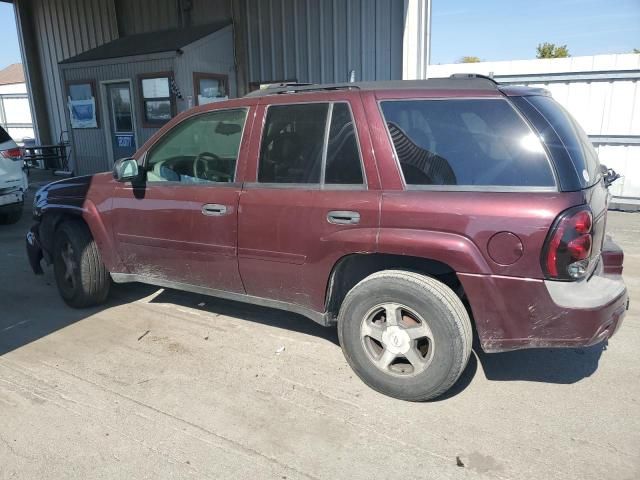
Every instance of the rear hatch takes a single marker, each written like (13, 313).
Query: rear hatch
(575, 160)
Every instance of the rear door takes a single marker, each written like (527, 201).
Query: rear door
(306, 202)
(181, 224)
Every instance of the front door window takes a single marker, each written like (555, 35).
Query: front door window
(202, 149)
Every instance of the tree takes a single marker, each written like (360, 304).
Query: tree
(469, 59)
(551, 50)
(636, 50)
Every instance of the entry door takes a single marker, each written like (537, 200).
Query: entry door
(120, 105)
(309, 207)
(180, 225)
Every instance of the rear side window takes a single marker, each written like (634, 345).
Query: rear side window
(292, 143)
(343, 156)
(571, 136)
(462, 142)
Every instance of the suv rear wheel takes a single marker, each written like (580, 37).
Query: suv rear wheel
(405, 335)
(82, 278)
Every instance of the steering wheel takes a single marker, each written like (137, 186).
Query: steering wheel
(201, 168)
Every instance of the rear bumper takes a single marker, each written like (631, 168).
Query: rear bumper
(514, 313)
(11, 200)
(34, 250)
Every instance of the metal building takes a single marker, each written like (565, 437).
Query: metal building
(271, 41)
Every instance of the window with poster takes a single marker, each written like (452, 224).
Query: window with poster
(81, 101)
(210, 87)
(158, 100)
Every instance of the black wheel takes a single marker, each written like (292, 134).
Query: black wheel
(82, 278)
(405, 335)
(11, 216)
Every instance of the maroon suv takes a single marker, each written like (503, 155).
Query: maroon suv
(407, 213)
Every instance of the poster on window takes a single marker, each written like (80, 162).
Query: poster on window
(83, 113)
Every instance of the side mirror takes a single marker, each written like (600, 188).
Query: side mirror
(126, 170)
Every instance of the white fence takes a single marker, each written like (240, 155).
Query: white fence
(601, 91)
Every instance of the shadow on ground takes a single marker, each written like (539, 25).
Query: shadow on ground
(252, 313)
(547, 365)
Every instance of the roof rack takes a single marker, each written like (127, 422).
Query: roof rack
(473, 75)
(283, 88)
(466, 81)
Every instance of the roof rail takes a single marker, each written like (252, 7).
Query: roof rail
(283, 88)
(473, 75)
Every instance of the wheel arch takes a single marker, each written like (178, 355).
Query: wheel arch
(350, 269)
(88, 214)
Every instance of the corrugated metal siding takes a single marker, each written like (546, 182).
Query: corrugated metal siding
(90, 145)
(323, 40)
(212, 54)
(209, 11)
(65, 28)
(141, 16)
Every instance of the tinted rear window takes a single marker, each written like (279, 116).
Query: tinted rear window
(464, 142)
(574, 140)
(4, 136)
(292, 143)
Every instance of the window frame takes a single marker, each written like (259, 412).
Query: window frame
(93, 84)
(466, 188)
(172, 98)
(149, 151)
(321, 185)
(197, 76)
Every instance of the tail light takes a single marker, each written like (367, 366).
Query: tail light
(567, 251)
(12, 154)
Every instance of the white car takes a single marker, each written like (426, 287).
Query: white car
(13, 180)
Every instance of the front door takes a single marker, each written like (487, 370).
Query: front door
(120, 105)
(180, 225)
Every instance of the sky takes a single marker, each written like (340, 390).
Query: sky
(489, 29)
(10, 49)
(510, 30)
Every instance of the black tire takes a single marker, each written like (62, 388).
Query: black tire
(11, 216)
(420, 299)
(84, 281)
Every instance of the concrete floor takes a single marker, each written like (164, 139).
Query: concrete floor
(162, 384)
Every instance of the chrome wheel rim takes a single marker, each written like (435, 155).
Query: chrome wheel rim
(69, 265)
(397, 339)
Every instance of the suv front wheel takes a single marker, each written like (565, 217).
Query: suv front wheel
(82, 278)
(405, 335)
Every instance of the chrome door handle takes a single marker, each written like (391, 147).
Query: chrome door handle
(340, 217)
(214, 209)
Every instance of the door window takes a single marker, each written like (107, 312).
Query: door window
(297, 150)
(201, 149)
(343, 165)
(121, 109)
(292, 143)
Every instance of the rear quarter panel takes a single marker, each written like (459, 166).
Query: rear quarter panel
(456, 227)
